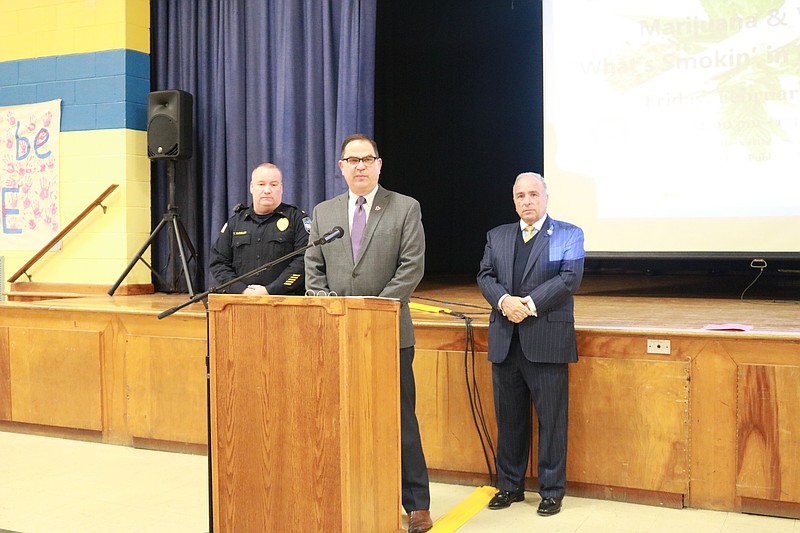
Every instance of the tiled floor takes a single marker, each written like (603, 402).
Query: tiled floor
(53, 485)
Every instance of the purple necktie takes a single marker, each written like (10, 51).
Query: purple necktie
(359, 223)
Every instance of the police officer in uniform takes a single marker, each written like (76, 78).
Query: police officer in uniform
(263, 232)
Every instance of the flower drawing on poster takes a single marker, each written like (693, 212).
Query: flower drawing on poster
(29, 175)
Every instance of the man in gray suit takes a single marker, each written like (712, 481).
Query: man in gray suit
(381, 254)
(529, 273)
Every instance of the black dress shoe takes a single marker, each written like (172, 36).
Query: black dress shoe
(504, 498)
(549, 506)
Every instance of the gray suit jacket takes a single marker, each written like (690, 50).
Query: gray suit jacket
(392, 257)
(553, 272)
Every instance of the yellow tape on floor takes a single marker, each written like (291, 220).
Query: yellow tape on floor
(458, 515)
(428, 308)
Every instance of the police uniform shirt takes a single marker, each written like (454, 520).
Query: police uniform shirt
(248, 241)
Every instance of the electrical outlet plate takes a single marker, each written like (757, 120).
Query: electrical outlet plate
(658, 346)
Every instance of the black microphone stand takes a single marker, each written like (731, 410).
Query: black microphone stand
(196, 298)
(332, 235)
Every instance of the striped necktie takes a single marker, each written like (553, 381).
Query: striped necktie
(527, 233)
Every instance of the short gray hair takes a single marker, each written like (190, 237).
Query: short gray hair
(266, 165)
(531, 175)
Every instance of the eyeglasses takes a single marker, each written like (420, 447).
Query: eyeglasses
(354, 161)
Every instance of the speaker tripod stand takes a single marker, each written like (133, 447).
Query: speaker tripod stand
(177, 237)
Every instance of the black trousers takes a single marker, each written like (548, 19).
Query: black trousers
(516, 381)
(416, 492)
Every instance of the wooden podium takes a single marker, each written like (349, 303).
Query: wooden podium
(305, 414)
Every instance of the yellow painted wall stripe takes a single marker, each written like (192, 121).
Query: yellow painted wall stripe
(48, 28)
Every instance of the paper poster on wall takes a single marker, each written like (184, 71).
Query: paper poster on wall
(29, 157)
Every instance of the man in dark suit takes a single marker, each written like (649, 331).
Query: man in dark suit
(381, 254)
(529, 273)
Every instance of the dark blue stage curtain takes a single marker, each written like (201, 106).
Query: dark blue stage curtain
(273, 80)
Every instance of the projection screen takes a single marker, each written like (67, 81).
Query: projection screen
(674, 127)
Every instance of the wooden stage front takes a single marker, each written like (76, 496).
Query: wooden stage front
(711, 424)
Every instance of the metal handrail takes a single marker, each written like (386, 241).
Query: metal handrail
(69, 227)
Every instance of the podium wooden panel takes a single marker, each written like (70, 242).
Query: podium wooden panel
(305, 414)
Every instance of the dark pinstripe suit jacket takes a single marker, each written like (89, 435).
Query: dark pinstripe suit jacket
(551, 277)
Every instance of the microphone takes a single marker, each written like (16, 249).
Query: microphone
(332, 235)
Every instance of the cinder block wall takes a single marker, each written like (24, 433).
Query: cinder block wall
(94, 56)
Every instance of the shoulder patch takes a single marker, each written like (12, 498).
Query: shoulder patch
(307, 224)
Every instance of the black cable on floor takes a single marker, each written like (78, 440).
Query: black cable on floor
(761, 265)
(473, 393)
